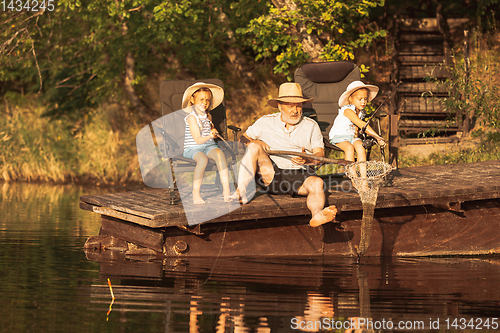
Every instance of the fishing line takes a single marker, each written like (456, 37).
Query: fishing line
(220, 251)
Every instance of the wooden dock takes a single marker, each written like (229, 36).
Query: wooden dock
(428, 210)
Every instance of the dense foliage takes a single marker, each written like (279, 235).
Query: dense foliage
(79, 54)
(305, 30)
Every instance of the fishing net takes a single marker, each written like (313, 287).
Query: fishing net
(367, 178)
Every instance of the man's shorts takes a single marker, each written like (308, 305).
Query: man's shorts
(341, 138)
(285, 181)
(204, 148)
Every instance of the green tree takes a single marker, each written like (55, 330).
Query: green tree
(295, 31)
(200, 34)
(18, 54)
(84, 52)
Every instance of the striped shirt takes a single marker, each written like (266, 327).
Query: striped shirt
(205, 129)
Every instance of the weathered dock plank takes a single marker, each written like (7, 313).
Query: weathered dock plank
(425, 185)
(133, 233)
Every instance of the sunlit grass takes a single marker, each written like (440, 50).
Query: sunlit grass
(489, 149)
(35, 148)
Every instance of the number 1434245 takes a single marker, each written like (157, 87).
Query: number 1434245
(27, 5)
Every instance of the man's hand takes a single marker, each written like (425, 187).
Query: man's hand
(300, 160)
(246, 140)
(309, 161)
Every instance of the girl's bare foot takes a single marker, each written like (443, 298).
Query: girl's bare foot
(227, 196)
(326, 215)
(197, 200)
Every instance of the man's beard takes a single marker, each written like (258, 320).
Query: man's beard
(291, 121)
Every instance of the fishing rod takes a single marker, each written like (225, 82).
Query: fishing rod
(378, 108)
(305, 155)
(231, 150)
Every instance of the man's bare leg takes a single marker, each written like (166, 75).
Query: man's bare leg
(255, 157)
(313, 187)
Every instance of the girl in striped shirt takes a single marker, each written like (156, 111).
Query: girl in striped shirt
(199, 144)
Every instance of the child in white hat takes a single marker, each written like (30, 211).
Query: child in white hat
(343, 132)
(199, 144)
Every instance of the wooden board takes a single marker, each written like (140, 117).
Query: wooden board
(404, 187)
(419, 106)
(133, 233)
(405, 231)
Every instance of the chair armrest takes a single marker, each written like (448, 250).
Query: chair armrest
(234, 128)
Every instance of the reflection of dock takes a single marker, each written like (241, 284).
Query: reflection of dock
(429, 210)
(198, 292)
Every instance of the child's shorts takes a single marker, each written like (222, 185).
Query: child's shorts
(204, 148)
(341, 138)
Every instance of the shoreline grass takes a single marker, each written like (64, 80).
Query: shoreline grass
(487, 150)
(34, 148)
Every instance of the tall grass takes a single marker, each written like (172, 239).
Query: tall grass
(245, 105)
(488, 149)
(35, 148)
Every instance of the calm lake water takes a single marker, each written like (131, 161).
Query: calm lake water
(50, 285)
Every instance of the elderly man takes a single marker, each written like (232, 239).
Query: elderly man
(287, 130)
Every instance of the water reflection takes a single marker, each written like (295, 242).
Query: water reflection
(35, 208)
(42, 266)
(301, 294)
(317, 308)
(49, 285)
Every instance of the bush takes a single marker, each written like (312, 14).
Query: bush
(472, 92)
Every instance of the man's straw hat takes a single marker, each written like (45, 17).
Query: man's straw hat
(289, 92)
(356, 85)
(217, 94)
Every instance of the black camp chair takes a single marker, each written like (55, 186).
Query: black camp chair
(160, 147)
(326, 81)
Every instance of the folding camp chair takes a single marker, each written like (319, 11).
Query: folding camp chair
(160, 147)
(326, 81)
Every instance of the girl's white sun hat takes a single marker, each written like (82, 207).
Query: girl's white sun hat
(217, 94)
(356, 85)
